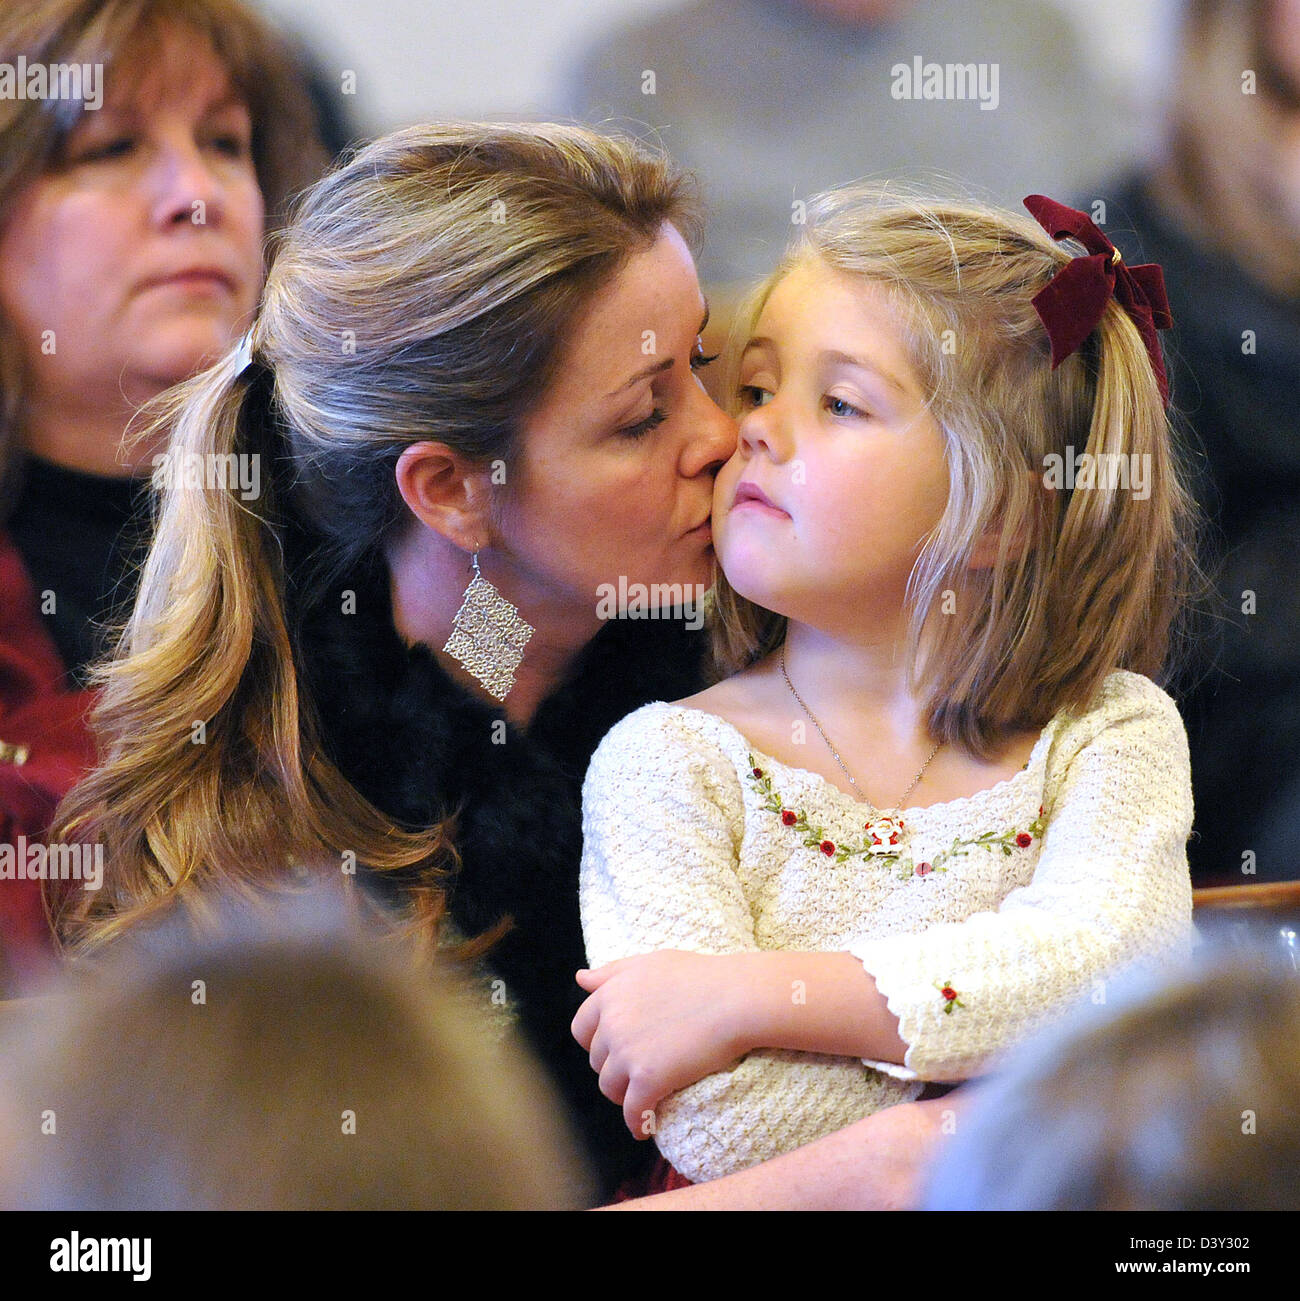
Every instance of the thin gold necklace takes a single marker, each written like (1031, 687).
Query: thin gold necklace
(836, 755)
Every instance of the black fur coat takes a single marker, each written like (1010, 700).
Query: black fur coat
(419, 746)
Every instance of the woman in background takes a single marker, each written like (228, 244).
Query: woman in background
(1221, 213)
(131, 233)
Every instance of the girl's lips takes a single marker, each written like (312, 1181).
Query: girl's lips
(750, 496)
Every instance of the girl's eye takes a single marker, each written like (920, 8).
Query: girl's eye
(753, 396)
(841, 407)
(643, 427)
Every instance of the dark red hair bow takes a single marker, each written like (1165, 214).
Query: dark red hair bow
(1074, 300)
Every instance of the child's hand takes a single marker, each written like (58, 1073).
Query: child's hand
(658, 1022)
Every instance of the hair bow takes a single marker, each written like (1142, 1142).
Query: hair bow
(1072, 303)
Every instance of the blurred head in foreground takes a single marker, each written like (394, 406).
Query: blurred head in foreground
(1185, 1099)
(296, 1062)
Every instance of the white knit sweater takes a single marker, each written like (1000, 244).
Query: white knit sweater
(972, 941)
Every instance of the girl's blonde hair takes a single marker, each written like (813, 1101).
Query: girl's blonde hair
(1086, 580)
(423, 292)
(121, 36)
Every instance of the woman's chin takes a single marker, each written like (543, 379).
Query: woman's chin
(181, 348)
(698, 574)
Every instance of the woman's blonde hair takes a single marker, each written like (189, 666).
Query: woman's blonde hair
(121, 36)
(424, 291)
(1086, 580)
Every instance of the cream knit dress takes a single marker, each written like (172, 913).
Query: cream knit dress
(979, 918)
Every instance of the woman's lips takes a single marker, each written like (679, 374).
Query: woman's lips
(198, 279)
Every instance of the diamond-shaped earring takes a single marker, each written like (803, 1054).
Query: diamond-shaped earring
(488, 636)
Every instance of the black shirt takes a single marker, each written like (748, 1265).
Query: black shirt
(1234, 354)
(419, 746)
(83, 538)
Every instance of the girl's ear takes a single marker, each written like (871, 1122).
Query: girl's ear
(985, 554)
(447, 492)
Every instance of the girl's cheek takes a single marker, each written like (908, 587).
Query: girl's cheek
(728, 476)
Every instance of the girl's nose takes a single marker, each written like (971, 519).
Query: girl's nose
(760, 430)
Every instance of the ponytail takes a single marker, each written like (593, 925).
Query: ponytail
(1137, 610)
(212, 773)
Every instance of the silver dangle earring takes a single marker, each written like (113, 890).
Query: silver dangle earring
(489, 636)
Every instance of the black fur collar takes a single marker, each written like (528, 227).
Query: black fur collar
(419, 746)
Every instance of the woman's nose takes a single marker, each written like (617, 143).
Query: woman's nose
(713, 435)
(185, 186)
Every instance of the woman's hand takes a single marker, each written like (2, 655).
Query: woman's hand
(880, 1163)
(658, 1022)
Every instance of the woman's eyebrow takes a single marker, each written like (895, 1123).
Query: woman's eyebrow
(658, 366)
(231, 99)
(666, 364)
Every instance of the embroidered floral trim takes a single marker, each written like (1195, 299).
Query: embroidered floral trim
(885, 832)
(950, 997)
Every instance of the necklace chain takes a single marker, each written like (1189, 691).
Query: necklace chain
(835, 753)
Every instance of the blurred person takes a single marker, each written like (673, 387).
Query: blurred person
(1219, 209)
(131, 232)
(1179, 1097)
(772, 101)
(288, 1058)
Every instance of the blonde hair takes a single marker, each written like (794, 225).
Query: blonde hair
(120, 35)
(294, 1058)
(423, 292)
(1085, 581)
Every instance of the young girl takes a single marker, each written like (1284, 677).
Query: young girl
(941, 797)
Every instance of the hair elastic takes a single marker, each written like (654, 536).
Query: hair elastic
(244, 354)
